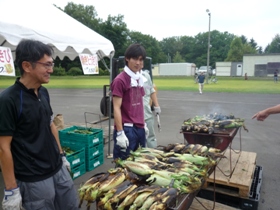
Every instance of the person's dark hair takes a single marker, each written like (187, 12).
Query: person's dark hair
(31, 51)
(135, 51)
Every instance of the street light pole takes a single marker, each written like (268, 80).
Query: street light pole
(208, 51)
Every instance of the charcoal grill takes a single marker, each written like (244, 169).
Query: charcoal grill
(220, 138)
(184, 201)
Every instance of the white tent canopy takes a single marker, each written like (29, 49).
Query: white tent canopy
(42, 21)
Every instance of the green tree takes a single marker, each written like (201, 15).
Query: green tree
(178, 58)
(75, 71)
(200, 47)
(150, 44)
(171, 45)
(59, 71)
(260, 50)
(253, 44)
(86, 15)
(266, 48)
(115, 29)
(236, 50)
(67, 64)
(220, 45)
(188, 46)
(274, 46)
(194, 49)
(244, 39)
(249, 49)
(191, 49)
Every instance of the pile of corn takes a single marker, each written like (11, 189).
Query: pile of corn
(208, 123)
(81, 131)
(151, 178)
(67, 150)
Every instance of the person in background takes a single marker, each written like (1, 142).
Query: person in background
(262, 115)
(201, 79)
(127, 92)
(246, 77)
(195, 77)
(150, 95)
(275, 76)
(34, 167)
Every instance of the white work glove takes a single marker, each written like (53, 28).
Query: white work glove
(157, 110)
(122, 140)
(65, 162)
(146, 131)
(12, 199)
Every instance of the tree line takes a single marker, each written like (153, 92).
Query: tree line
(225, 46)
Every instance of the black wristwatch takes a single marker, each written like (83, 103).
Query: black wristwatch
(63, 154)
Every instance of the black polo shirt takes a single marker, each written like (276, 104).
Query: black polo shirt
(27, 117)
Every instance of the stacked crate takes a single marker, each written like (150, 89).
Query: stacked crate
(91, 141)
(76, 160)
(94, 154)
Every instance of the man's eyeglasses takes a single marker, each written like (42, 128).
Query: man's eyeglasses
(46, 65)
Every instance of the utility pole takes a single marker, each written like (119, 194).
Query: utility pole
(208, 50)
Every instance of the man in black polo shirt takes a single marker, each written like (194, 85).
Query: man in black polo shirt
(33, 166)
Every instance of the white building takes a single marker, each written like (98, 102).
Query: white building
(253, 64)
(261, 64)
(174, 69)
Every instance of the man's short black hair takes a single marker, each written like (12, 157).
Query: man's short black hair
(135, 51)
(31, 51)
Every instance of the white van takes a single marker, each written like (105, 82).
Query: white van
(204, 69)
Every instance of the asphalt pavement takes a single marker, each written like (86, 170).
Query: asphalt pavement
(176, 106)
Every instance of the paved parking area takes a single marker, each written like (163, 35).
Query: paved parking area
(262, 138)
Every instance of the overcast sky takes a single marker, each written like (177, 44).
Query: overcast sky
(257, 19)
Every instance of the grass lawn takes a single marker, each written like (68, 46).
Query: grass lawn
(184, 83)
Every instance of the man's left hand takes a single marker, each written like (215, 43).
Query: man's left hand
(66, 163)
(157, 110)
(12, 199)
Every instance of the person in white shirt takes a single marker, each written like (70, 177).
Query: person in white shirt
(150, 95)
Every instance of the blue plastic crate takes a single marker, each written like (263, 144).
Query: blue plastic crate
(75, 135)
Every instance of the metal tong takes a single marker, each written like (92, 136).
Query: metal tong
(158, 121)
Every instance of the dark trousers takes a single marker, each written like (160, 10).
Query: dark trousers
(136, 137)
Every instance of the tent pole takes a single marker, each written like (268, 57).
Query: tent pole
(109, 155)
(2, 44)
